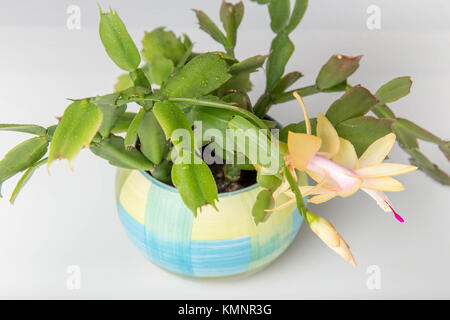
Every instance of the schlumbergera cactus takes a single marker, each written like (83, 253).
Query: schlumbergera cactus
(178, 88)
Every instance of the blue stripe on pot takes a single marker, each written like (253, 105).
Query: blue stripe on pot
(134, 229)
(297, 221)
(168, 225)
(216, 258)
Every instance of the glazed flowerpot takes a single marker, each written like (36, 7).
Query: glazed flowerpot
(219, 243)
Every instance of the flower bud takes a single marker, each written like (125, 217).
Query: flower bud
(328, 234)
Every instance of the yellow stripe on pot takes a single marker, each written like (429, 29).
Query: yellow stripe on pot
(121, 176)
(231, 221)
(133, 195)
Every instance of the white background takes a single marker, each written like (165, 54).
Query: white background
(69, 218)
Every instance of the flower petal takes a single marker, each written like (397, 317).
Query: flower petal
(383, 184)
(352, 187)
(329, 136)
(316, 176)
(344, 251)
(282, 206)
(379, 197)
(281, 189)
(302, 148)
(383, 202)
(309, 190)
(323, 197)
(377, 151)
(385, 170)
(346, 156)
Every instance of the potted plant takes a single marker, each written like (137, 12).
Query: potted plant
(207, 185)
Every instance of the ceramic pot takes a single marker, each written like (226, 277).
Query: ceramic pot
(219, 243)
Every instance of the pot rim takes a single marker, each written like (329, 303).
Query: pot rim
(173, 189)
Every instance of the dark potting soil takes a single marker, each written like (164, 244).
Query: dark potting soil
(246, 179)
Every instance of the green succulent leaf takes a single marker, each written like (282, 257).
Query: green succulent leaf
(263, 104)
(130, 137)
(50, 132)
(162, 172)
(207, 25)
(231, 17)
(287, 96)
(111, 112)
(268, 181)
(172, 118)
(297, 15)
(163, 51)
(424, 164)
(284, 83)
(198, 77)
(297, 128)
(363, 131)
(135, 93)
(162, 43)
(337, 70)
(240, 99)
(251, 64)
(160, 69)
(152, 138)
(195, 182)
(123, 122)
(21, 157)
(356, 102)
(383, 111)
(123, 82)
(394, 90)
(416, 131)
(343, 86)
(270, 124)
(405, 139)
(212, 121)
(26, 128)
(78, 126)
(25, 178)
(264, 201)
(111, 115)
(187, 55)
(187, 43)
(240, 82)
(139, 78)
(254, 145)
(282, 49)
(117, 42)
(279, 11)
(113, 149)
(140, 95)
(110, 98)
(261, 1)
(445, 148)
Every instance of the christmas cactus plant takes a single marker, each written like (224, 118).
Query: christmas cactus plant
(195, 113)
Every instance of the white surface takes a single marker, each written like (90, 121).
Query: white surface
(70, 218)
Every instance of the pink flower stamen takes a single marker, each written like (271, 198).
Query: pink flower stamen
(397, 216)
